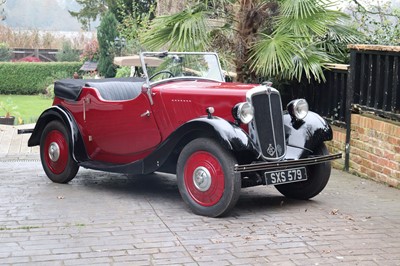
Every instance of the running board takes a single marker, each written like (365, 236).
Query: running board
(25, 131)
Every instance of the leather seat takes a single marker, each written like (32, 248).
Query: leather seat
(117, 91)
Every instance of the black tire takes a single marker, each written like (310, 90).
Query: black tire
(318, 176)
(216, 188)
(55, 153)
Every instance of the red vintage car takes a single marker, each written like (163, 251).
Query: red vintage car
(181, 117)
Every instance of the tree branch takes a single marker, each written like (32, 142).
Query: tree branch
(359, 5)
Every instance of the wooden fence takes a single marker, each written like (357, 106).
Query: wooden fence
(327, 98)
(375, 79)
(45, 55)
(370, 83)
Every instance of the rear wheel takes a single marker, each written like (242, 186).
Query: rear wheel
(55, 154)
(318, 176)
(206, 180)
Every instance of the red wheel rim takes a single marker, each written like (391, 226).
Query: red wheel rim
(204, 178)
(56, 151)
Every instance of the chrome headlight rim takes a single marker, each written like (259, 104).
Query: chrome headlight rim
(298, 109)
(243, 112)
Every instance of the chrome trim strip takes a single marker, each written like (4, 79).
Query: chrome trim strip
(262, 166)
(273, 125)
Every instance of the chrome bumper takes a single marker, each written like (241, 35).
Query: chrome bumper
(263, 166)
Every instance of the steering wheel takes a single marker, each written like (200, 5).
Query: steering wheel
(161, 72)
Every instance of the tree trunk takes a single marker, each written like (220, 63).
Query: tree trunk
(167, 7)
(251, 16)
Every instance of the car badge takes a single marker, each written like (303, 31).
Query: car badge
(268, 90)
(271, 150)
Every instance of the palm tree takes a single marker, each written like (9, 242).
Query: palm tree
(308, 35)
(288, 39)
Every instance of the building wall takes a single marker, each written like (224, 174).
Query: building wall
(374, 148)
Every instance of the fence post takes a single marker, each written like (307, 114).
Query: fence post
(36, 53)
(348, 108)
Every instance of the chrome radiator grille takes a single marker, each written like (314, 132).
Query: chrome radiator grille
(267, 125)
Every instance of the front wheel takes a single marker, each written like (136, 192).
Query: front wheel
(318, 177)
(206, 180)
(55, 153)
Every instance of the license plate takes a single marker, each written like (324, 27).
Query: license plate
(285, 176)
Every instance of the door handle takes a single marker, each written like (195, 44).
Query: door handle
(147, 113)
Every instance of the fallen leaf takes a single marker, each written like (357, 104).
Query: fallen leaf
(334, 211)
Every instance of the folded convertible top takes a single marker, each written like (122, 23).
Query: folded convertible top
(70, 89)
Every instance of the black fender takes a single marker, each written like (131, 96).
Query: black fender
(304, 136)
(229, 135)
(56, 112)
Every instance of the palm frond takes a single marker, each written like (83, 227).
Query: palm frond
(309, 64)
(336, 39)
(298, 9)
(315, 21)
(184, 31)
(272, 55)
(289, 57)
(308, 35)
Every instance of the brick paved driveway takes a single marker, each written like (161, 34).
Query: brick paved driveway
(101, 218)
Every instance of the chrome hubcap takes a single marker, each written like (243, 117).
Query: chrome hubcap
(54, 151)
(202, 178)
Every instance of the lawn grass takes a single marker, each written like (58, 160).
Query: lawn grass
(29, 107)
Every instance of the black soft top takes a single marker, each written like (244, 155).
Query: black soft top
(70, 89)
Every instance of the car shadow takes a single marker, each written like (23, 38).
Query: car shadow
(151, 185)
(267, 201)
(163, 189)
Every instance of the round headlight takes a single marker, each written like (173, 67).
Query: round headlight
(298, 108)
(244, 112)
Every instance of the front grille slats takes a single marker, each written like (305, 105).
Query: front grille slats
(268, 123)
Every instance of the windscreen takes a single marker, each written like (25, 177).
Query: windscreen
(174, 65)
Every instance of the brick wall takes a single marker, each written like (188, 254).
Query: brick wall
(374, 149)
(338, 144)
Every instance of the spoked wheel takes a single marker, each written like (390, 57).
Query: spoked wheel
(318, 176)
(206, 180)
(55, 154)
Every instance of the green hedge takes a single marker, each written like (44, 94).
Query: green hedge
(32, 78)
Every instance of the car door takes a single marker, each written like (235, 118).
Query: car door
(120, 131)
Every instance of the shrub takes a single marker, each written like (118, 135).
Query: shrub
(106, 34)
(33, 78)
(5, 52)
(90, 51)
(67, 54)
(123, 72)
